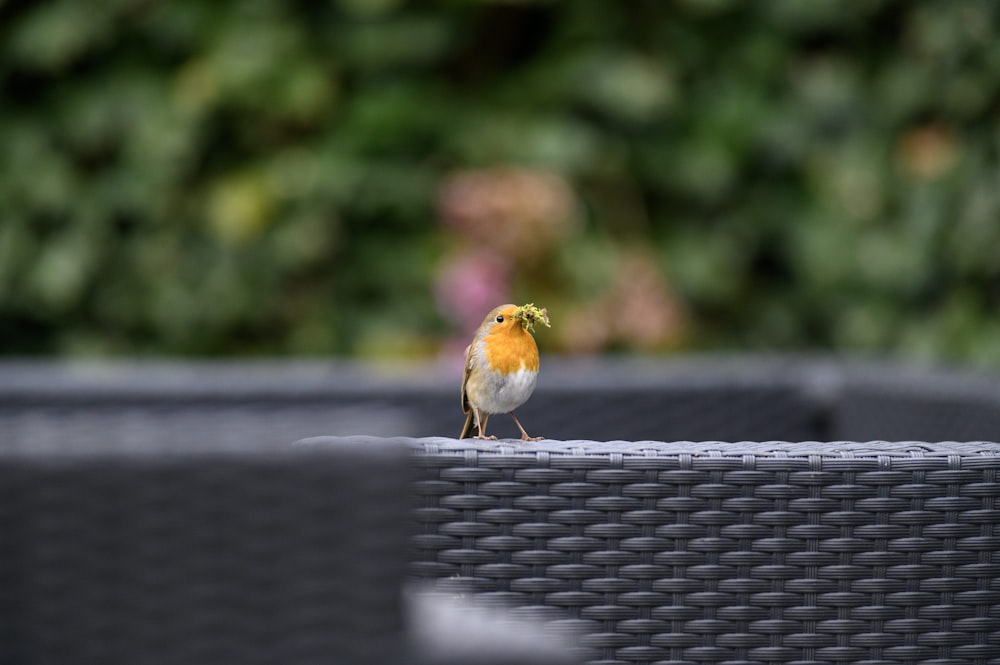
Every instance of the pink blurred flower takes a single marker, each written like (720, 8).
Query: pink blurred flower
(648, 313)
(469, 285)
(518, 212)
(638, 310)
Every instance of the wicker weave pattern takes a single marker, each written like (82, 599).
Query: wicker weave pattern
(726, 552)
(200, 559)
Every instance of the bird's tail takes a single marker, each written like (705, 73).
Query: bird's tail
(469, 428)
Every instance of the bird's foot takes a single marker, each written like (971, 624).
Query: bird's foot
(486, 438)
(525, 437)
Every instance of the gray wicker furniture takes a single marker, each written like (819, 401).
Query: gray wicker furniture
(219, 557)
(712, 552)
(214, 557)
(153, 513)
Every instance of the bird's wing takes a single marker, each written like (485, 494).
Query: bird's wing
(465, 377)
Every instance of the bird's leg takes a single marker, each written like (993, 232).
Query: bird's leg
(524, 435)
(481, 427)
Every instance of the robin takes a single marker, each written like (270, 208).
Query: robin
(501, 367)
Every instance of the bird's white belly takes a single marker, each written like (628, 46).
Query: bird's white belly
(512, 390)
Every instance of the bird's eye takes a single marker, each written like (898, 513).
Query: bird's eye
(499, 318)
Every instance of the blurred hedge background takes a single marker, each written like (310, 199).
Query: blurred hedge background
(368, 177)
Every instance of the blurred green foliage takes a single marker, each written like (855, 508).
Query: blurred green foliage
(261, 177)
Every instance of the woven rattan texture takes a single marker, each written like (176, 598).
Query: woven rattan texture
(202, 559)
(686, 553)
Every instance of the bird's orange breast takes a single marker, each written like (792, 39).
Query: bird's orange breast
(510, 350)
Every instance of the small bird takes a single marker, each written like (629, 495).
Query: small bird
(501, 368)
